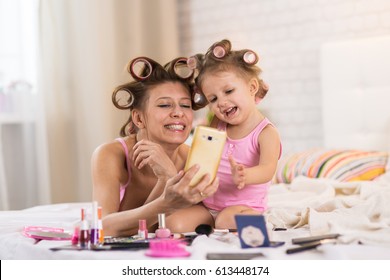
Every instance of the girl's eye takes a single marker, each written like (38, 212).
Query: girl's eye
(229, 91)
(164, 105)
(212, 99)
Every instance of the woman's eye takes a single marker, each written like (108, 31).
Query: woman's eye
(164, 105)
(188, 106)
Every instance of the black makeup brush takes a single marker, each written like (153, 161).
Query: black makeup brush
(207, 230)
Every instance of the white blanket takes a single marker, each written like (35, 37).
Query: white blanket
(359, 211)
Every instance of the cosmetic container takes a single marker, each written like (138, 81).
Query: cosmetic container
(84, 230)
(100, 226)
(76, 233)
(142, 229)
(94, 238)
(162, 231)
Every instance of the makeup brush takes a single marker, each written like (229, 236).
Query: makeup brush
(207, 230)
(310, 245)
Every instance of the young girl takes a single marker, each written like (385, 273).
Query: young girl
(229, 81)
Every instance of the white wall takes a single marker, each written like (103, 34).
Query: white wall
(288, 35)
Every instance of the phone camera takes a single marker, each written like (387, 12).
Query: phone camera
(209, 138)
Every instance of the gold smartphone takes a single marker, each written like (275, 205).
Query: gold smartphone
(206, 150)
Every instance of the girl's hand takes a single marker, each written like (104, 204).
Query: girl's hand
(179, 194)
(149, 153)
(238, 173)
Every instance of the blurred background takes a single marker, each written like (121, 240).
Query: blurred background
(61, 59)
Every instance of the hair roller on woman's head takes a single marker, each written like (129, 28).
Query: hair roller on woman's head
(141, 68)
(179, 67)
(148, 73)
(118, 101)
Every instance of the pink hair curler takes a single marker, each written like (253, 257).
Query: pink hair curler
(192, 63)
(250, 57)
(219, 51)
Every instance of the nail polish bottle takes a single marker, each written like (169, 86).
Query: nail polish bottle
(84, 230)
(94, 232)
(162, 231)
(100, 226)
(76, 231)
(142, 229)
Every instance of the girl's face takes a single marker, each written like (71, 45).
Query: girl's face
(168, 114)
(230, 96)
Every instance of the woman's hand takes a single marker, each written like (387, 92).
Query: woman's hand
(238, 173)
(149, 153)
(179, 194)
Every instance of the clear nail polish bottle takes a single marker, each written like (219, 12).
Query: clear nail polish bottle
(162, 231)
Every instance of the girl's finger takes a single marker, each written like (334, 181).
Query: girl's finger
(232, 162)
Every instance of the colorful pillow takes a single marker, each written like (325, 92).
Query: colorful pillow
(341, 165)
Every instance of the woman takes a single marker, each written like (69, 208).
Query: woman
(136, 176)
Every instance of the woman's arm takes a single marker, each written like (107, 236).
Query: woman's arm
(148, 153)
(107, 174)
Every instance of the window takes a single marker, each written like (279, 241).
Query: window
(20, 131)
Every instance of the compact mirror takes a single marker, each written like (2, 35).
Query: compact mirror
(47, 233)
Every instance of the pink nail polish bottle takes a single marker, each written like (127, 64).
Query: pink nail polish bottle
(142, 229)
(162, 231)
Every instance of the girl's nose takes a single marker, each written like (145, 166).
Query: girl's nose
(222, 103)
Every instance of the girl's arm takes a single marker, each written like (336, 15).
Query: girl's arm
(269, 142)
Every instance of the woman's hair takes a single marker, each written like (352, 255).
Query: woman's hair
(151, 75)
(220, 57)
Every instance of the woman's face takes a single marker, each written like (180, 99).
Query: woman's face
(168, 114)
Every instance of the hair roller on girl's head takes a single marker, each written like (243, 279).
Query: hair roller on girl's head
(263, 90)
(250, 57)
(192, 62)
(195, 61)
(221, 49)
(265, 86)
(199, 101)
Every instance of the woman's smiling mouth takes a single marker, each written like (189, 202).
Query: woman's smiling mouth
(175, 127)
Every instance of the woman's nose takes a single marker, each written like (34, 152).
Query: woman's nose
(177, 112)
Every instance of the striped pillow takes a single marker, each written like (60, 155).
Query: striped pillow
(341, 165)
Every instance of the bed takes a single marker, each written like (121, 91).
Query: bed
(311, 194)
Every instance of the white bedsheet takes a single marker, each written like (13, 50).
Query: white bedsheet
(308, 206)
(359, 211)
